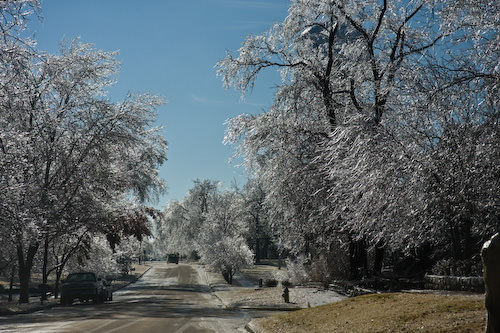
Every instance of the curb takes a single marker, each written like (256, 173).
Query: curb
(39, 307)
(263, 308)
(256, 308)
(253, 327)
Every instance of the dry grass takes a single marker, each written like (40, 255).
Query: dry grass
(395, 312)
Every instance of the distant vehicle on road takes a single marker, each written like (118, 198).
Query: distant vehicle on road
(173, 258)
(83, 286)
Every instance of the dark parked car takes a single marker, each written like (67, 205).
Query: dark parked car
(83, 286)
(173, 258)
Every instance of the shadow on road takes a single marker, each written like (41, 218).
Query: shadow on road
(174, 292)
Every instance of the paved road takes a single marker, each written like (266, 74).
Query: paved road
(168, 298)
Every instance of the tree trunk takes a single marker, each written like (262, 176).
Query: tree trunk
(467, 251)
(265, 249)
(62, 263)
(58, 278)
(358, 259)
(44, 268)
(455, 243)
(59, 270)
(228, 275)
(363, 257)
(353, 261)
(11, 284)
(379, 257)
(257, 239)
(257, 250)
(24, 269)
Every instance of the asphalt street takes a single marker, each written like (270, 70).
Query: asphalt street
(167, 298)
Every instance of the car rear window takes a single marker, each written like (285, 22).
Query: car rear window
(80, 277)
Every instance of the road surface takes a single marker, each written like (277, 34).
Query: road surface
(168, 298)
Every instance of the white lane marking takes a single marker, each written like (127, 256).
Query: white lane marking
(105, 323)
(132, 322)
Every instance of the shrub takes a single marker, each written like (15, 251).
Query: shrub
(458, 267)
(296, 270)
(271, 283)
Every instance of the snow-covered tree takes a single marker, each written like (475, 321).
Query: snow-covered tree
(462, 182)
(183, 222)
(97, 256)
(341, 64)
(171, 229)
(259, 235)
(458, 179)
(21, 219)
(221, 244)
(72, 159)
(369, 89)
(208, 224)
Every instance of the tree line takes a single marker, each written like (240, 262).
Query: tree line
(76, 168)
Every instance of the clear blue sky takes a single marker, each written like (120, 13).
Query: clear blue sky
(170, 48)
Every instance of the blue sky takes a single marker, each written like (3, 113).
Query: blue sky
(170, 48)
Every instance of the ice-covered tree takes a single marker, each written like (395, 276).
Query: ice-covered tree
(170, 230)
(368, 89)
(183, 221)
(74, 160)
(460, 170)
(254, 213)
(457, 130)
(19, 215)
(210, 225)
(221, 244)
(341, 64)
